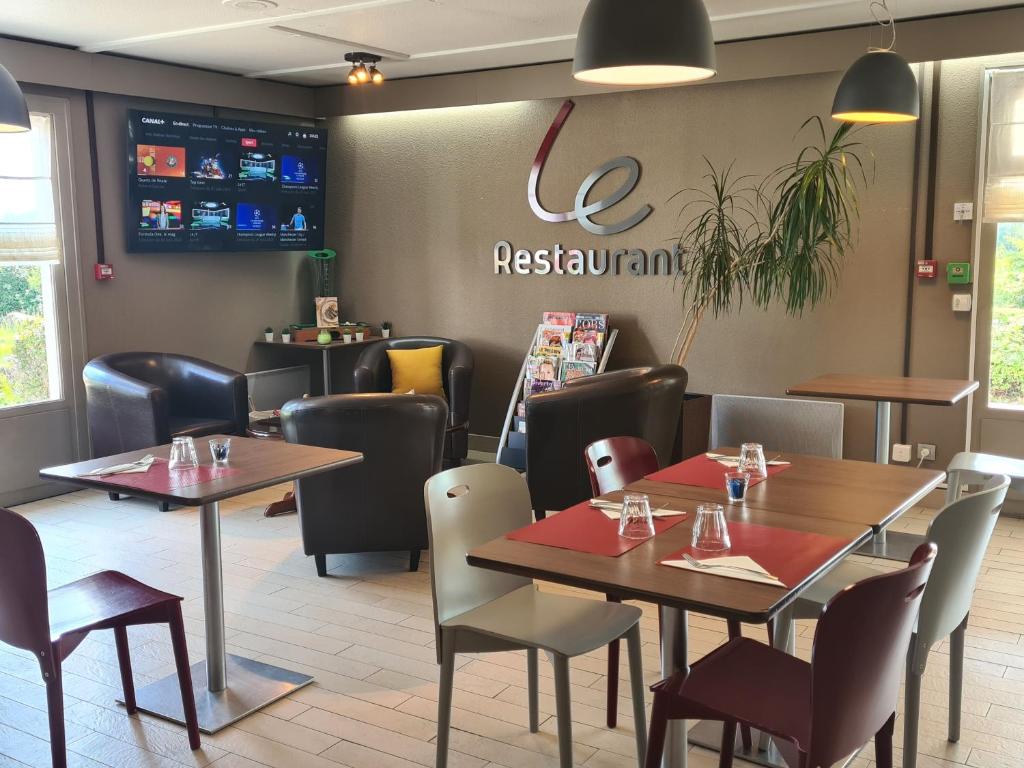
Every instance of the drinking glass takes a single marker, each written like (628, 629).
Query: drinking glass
(635, 520)
(220, 448)
(710, 531)
(736, 484)
(183, 454)
(752, 460)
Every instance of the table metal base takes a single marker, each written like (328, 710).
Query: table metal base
(251, 686)
(893, 545)
(708, 734)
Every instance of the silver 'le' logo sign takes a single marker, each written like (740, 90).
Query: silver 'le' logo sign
(583, 210)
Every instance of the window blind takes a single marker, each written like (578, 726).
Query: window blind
(28, 228)
(1004, 180)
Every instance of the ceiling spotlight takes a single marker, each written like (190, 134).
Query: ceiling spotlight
(360, 73)
(879, 87)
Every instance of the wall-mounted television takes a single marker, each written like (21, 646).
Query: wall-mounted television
(208, 184)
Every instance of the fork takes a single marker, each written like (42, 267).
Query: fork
(690, 560)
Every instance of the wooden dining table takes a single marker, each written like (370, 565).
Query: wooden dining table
(847, 500)
(227, 687)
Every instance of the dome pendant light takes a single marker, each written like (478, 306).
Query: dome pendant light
(879, 87)
(654, 42)
(13, 110)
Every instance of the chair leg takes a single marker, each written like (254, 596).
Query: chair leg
(531, 689)
(911, 713)
(164, 506)
(956, 678)
(188, 697)
(414, 560)
(728, 744)
(444, 702)
(113, 496)
(656, 739)
(321, 564)
(636, 681)
(736, 630)
(883, 743)
(613, 676)
(124, 661)
(563, 707)
(55, 710)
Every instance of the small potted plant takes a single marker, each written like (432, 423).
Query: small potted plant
(385, 329)
(360, 333)
(286, 335)
(268, 333)
(346, 335)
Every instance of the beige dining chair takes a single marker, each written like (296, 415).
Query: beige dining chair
(477, 610)
(962, 531)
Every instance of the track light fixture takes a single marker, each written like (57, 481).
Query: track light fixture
(360, 74)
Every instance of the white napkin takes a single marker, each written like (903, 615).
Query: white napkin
(733, 461)
(721, 568)
(613, 509)
(142, 465)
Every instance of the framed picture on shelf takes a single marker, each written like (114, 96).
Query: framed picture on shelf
(327, 311)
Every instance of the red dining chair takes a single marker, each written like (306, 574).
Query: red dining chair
(614, 463)
(819, 711)
(52, 624)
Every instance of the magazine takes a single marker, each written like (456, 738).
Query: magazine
(560, 318)
(554, 335)
(584, 352)
(588, 321)
(577, 370)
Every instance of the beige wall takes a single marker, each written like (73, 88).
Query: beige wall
(421, 197)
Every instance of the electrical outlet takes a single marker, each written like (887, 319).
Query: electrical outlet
(963, 211)
(900, 452)
(926, 451)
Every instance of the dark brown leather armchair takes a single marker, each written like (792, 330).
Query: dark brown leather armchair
(376, 505)
(138, 399)
(373, 374)
(635, 402)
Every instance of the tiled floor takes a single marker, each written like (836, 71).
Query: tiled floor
(366, 634)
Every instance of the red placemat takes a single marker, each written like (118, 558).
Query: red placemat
(159, 479)
(705, 473)
(791, 556)
(585, 529)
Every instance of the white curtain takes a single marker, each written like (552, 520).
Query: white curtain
(28, 229)
(1004, 181)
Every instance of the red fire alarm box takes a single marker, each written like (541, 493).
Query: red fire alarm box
(104, 271)
(927, 268)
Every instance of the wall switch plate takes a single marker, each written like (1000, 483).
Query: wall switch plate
(926, 451)
(963, 211)
(900, 452)
(961, 302)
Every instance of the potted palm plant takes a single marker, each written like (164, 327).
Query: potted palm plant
(781, 239)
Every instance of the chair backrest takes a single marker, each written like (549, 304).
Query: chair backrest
(615, 462)
(376, 505)
(466, 507)
(961, 531)
(24, 609)
(638, 402)
(812, 427)
(860, 647)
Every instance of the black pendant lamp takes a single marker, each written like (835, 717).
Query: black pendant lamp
(653, 42)
(879, 87)
(13, 110)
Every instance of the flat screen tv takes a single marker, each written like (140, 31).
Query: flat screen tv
(208, 184)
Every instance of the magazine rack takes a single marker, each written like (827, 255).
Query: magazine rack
(516, 457)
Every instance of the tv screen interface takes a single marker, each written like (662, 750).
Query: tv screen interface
(207, 184)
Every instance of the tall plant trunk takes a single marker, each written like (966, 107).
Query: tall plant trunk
(687, 335)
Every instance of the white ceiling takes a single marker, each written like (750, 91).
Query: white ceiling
(423, 37)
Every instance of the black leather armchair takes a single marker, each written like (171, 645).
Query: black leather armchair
(373, 374)
(635, 402)
(139, 399)
(376, 505)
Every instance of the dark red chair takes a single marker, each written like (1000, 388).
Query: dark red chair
(821, 711)
(52, 624)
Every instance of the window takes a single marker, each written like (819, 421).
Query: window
(29, 253)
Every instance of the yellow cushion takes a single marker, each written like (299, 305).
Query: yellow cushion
(416, 369)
